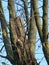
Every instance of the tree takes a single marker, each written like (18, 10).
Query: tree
(19, 48)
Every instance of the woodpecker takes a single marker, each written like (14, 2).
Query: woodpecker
(19, 43)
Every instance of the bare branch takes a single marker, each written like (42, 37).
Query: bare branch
(41, 60)
(2, 48)
(3, 56)
(37, 40)
(37, 19)
(4, 32)
(26, 13)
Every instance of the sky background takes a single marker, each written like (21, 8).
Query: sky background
(38, 51)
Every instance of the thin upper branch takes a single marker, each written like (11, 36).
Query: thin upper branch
(37, 18)
(3, 56)
(45, 30)
(4, 32)
(26, 13)
(2, 48)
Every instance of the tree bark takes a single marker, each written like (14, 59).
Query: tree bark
(5, 33)
(45, 30)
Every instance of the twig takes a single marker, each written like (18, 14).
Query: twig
(37, 40)
(15, 3)
(1, 48)
(38, 53)
(41, 60)
(3, 56)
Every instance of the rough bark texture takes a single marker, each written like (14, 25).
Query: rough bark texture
(20, 50)
(37, 17)
(22, 56)
(45, 30)
(5, 33)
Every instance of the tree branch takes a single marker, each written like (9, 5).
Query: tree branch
(45, 30)
(3, 56)
(37, 19)
(2, 48)
(26, 14)
(5, 33)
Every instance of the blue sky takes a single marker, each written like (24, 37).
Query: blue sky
(38, 45)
